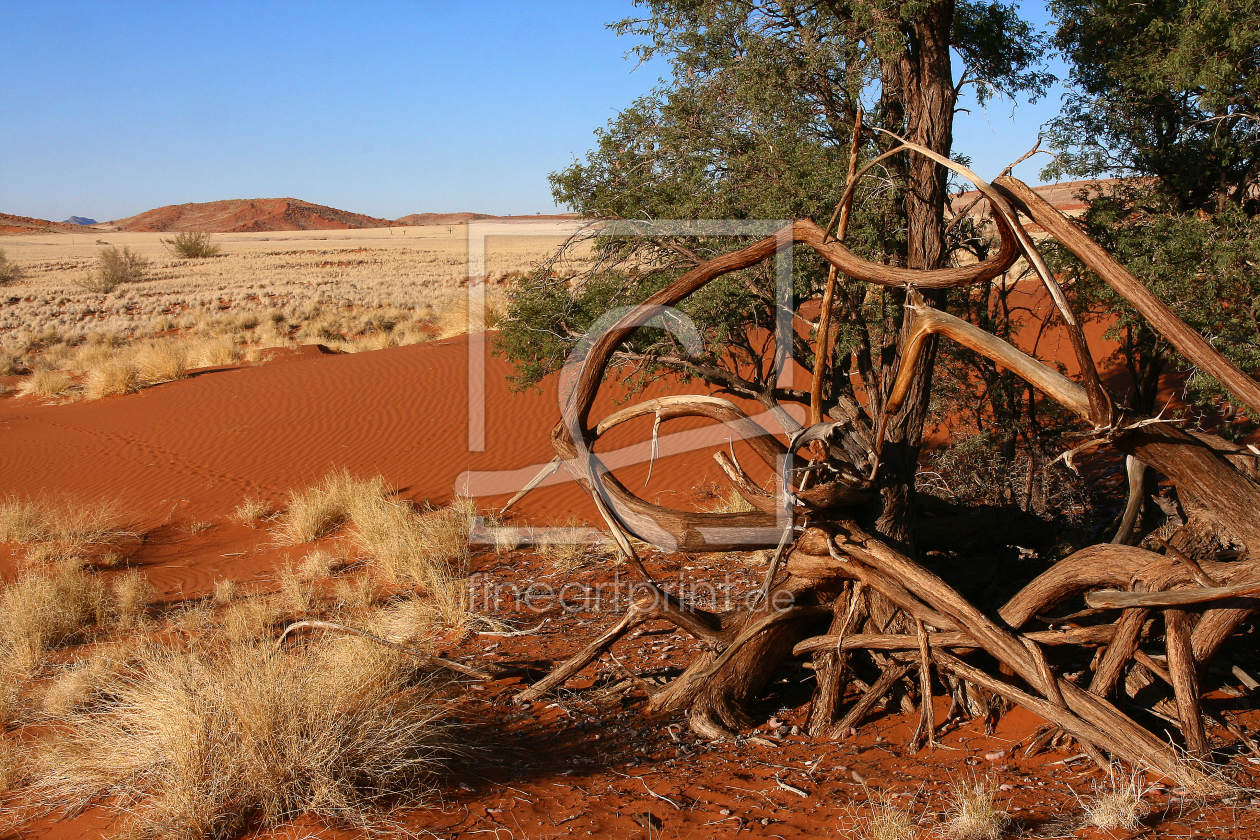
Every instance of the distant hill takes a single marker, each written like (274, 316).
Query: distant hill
(464, 218)
(442, 218)
(25, 224)
(241, 215)
(80, 220)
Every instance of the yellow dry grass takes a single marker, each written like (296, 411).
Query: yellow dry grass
(251, 511)
(198, 745)
(351, 290)
(882, 819)
(45, 383)
(132, 593)
(425, 548)
(63, 528)
(974, 811)
(44, 610)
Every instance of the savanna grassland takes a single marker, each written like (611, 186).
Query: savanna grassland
(71, 331)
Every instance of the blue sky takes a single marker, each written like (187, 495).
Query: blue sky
(110, 109)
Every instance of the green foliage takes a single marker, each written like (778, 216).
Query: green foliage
(113, 269)
(9, 272)
(754, 124)
(1203, 266)
(192, 245)
(1166, 89)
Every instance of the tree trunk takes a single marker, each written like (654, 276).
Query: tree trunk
(925, 81)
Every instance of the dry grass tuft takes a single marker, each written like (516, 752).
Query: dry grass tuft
(564, 547)
(294, 596)
(45, 383)
(62, 529)
(974, 812)
(132, 594)
(318, 511)
(885, 819)
(354, 594)
(251, 512)
(113, 376)
(43, 611)
(321, 564)
(1118, 803)
(730, 502)
(224, 591)
(213, 352)
(11, 766)
(80, 686)
(408, 622)
(247, 621)
(197, 746)
(9, 272)
(425, 548)
(161, 361)
(455, 319)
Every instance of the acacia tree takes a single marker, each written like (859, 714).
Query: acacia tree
(1166, 93)
(865, 589)
(756, 123)
(1167, 90)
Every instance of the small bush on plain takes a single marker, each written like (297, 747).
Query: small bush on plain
(9, 272)
(113, 269)
(192, 245)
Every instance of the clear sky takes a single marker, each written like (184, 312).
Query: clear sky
(386, 108)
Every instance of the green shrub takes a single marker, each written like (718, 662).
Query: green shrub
(192, 245)
(114, 268)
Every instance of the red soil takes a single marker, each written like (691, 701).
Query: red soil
(584, 762)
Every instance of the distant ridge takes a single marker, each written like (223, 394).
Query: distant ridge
(242, 215)
(442, 218)
(79, 220)
(25, 224)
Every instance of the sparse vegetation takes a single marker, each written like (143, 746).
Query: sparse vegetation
(113, 269)
(321, 509)
(43, 610)
(251, 512)
(1117, 803)
(132, 593)
(884, 819)
(974, 811)
(45, 383)
(9, 272)
(62, 528)
(192, 245)
(403, 544)
(194, 746)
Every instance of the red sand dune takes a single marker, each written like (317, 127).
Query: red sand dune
(192, 450)
(241, 215)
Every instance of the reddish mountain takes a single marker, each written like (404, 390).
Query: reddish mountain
(249, 214)
(25, 224)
